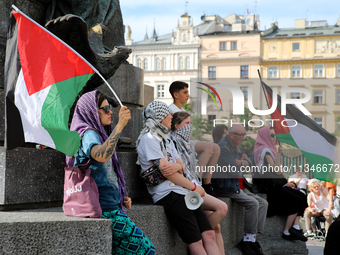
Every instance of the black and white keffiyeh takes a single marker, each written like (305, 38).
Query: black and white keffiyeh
(153, 114)
(186, 151)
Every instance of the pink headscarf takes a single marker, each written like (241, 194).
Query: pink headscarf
(263, 144)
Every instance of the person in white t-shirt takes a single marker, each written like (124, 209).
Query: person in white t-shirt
(318, 205)
(300, 179)
(155, 148)
(208, 153)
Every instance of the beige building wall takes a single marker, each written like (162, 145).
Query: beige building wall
(228, 64)
(318, 59)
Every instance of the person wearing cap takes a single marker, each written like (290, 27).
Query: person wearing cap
(154, 147)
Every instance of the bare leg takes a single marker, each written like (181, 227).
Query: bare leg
(219, 238)
(297, 220)
(197, 248)
(290, 220)
(216, 207)
(209, 242)
(208, 157)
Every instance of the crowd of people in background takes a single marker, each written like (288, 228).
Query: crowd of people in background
(284, 197)
(166, 145)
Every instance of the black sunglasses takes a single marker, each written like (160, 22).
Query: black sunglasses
(242, 135)
(107, 108)
(272, 135)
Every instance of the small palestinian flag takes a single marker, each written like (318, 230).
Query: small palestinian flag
(43, 77)
(316, 144)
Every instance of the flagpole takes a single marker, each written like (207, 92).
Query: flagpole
(94, 69)
(264, 90)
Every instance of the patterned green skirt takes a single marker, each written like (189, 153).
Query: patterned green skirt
(127, 238)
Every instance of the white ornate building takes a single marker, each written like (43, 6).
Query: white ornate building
(175, 56)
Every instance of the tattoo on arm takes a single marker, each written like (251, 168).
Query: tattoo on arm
(108, 147)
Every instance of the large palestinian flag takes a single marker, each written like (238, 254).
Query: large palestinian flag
(43, 76)
(317, 144)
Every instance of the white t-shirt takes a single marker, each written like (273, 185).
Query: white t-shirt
(321, 203)
(149, 149)
(174, 108)
(302, 183)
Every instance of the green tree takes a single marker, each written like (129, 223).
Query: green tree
(337, 129)
(248, 145)
(187, 108)
(201, 127)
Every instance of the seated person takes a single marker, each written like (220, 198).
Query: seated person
(155, 148)
(235, 186)
(92, 118)
(300, 179)
(208, 153)
(318, 205)
(282, 198)
(333, 199)
(218, 132)
(294, 185)
(215, 209)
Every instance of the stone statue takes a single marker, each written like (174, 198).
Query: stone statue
(73, 31)
(129, 33)
(104, 12)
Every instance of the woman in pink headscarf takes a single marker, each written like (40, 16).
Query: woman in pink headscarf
(282, 198)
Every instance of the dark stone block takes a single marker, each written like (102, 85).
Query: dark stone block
(2, 116)
(2, 62)
(127, 83)
(148, 95)
(134, 126)
(49, 231)
(137, 188)
(30, 175)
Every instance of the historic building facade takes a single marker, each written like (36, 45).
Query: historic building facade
(306, 56)
(169, 57)
(230, 57)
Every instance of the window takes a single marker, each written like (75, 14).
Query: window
(211, 118)
(146, 66)
(158, 64)
(338, 96)
(223, 46)
(244, 72)
(318, 120)
(164, 64)
(160, 91)
(272, 72)
(139, 63)
(233, 45)
(212, 72)
(318, 70)
(184, 37)
(338, 70)
(245, 92)
(295, 95)
(181, 63)
(318, 97)
(187, 63)
(296, 46)
(296, 71)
